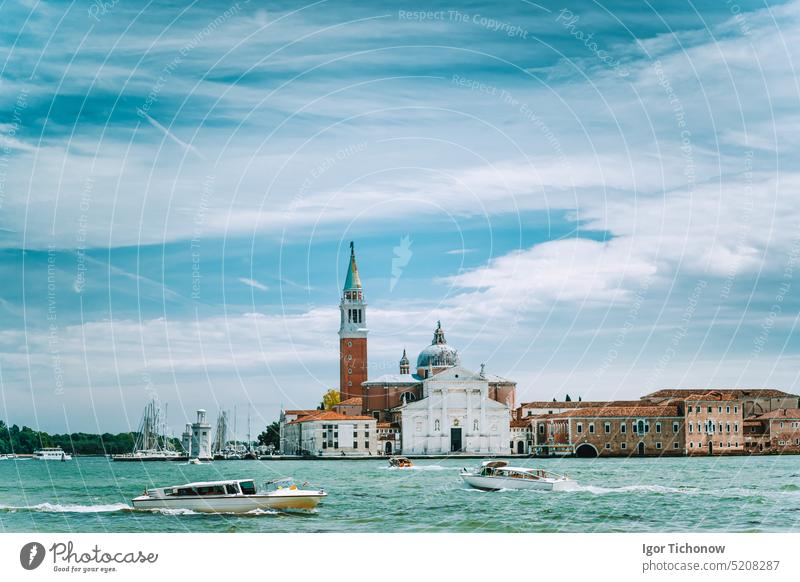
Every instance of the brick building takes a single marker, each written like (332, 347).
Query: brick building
(606, 431)
(714, 423)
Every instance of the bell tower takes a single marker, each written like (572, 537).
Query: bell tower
(352, 334)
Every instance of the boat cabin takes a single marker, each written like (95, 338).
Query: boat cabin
(501, 469)
(246, 487)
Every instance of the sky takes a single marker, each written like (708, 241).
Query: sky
(595, 198)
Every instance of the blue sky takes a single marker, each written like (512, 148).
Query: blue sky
(597, 198)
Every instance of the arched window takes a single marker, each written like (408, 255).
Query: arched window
(436, 425)
(475, 425)
(407, 397)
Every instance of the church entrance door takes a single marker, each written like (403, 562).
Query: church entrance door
(455, 440)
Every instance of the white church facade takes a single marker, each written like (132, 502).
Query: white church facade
(455, 415)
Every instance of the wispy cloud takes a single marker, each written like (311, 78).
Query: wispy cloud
(253, 283)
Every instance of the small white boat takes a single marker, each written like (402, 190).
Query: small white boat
(195, 462)
(234, 496)
(52, 454)
(496, 475)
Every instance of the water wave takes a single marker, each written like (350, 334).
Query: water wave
(59, 508)
(597, 490)
(418, 468)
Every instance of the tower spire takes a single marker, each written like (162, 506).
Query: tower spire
(353, 281)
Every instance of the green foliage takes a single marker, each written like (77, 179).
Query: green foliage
(271, 435)
(25, 440)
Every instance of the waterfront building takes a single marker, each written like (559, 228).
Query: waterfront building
(389, 438)
(522, 442)
(353, 363)
(774, 432)
(285, 418)
(200, 447)
(326, 433)
(714, 423)
(608, 431)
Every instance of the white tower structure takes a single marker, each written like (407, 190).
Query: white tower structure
(201, 437)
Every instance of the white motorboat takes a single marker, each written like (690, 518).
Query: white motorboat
(52, 454)
(496, 475)
(234, 496)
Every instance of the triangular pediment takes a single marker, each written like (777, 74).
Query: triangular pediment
(457, 373)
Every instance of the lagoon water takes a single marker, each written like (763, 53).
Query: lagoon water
(745, 494)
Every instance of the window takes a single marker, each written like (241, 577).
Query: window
(530, 413)
(727, 410)
(727, 427)
(607, 427)
(676, 427)
(608, 445)
(719, 409)
(688, 410)
(675, 445)
(658, 444)
(735, 409)
(366, 445)
(633, 428)
(623, 427)
(355, 444)
(691, 428)
(697, 409)
(709, 409)
(691, 445)
(541, 429)
(436, 425)
(580, 428)
(349, 344)
(475, 425)
(781, 424)
(658, 427)
(591, 428)
(623, 446)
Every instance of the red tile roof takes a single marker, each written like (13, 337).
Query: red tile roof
(741, 392)
(354, 401)
(791, 413)
(579, 404)
(620, 412)
(329, 415)
(299, 412)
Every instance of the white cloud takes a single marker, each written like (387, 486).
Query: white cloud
(253, 283)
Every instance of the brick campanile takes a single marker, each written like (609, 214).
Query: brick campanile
(352, 334)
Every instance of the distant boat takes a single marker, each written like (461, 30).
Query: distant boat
(234, 496)
(400, 463)
(152, 442)
(52, 454)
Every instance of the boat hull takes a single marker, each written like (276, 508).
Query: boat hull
(497, 483)
(233, 504)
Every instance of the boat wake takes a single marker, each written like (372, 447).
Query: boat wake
(59, 508)
(417, 468)
(597, 490)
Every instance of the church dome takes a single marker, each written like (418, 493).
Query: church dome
(438, 354)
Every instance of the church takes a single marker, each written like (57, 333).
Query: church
(439, 408)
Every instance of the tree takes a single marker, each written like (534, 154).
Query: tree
(271, 435)
(330, 399)
(567, 399)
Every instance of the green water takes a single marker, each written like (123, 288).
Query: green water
(746, 494)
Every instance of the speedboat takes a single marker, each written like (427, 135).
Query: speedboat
(496, 475)
(52, 454)
(195, 461)
(233, 496)
(400, 463)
